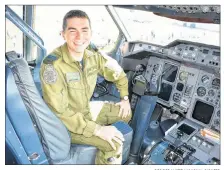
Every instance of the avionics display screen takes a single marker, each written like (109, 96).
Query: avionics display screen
(216, 53)
(165, 91)
(205, 51)
(169, 72)
(203, 112)
(186, 129)
(191, 48)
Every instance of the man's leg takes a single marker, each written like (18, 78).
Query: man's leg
(106, 154)
(109, 114)
(103, 114)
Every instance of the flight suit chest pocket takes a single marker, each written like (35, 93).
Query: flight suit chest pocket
(73, 80)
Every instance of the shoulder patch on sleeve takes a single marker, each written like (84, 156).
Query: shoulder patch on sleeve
(50, 59)
(92, 47)
(113, 65)
(50, 74)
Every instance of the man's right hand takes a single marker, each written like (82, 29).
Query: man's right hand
(109, 133)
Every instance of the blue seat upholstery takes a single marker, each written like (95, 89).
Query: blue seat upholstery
(39, 129)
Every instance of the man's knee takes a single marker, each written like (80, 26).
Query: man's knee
(114, 114)
(128, 118)
(111, 156)
(94, 141)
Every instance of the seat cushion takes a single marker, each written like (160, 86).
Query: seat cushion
(127, 131)
(85, 154)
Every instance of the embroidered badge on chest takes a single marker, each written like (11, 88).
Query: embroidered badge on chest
(72, 77)
(50, 75)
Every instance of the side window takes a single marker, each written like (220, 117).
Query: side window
(48, 26)
(13, 36)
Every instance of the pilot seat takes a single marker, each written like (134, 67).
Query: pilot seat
(37, 130)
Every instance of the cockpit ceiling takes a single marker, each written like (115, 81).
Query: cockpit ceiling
(189, 13)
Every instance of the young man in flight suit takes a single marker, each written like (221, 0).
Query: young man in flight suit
(68, 77)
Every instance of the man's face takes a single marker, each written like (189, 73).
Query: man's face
(77, 35)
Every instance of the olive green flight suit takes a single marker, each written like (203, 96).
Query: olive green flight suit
(67, 89)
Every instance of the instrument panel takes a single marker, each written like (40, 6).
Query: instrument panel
(190, 78)
(201, 54)
(192, 91)
(190, 85)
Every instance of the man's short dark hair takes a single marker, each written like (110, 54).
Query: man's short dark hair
(74, 14)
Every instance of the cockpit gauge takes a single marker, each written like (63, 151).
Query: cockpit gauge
(216, 82)
(156, 68)
(201, 91)
(205, 79)
(211, 93)
(183, 76)
(176, 97)
(218, 113)
(185, 53)
(217, 122)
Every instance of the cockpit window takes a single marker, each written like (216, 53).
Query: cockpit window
(148, 27)
(13, 35)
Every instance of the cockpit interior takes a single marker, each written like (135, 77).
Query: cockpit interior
(174, 92)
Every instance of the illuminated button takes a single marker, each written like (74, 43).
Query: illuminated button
(199, 141)
(204, 143)
(154, 48)
(194, 138)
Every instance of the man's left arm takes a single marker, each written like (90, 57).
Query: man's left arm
(112, 71)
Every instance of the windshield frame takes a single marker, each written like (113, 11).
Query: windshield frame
(117, 20)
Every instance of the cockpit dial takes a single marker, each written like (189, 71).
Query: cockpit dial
(176, 97)
(216, 82)
(183, 76)
(156, 68)
(211, 93)
(201, 91)
(205, 79)
(218, 113)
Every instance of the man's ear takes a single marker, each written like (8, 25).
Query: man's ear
(63, 34)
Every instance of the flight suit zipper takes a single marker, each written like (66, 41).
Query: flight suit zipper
(83, 74)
